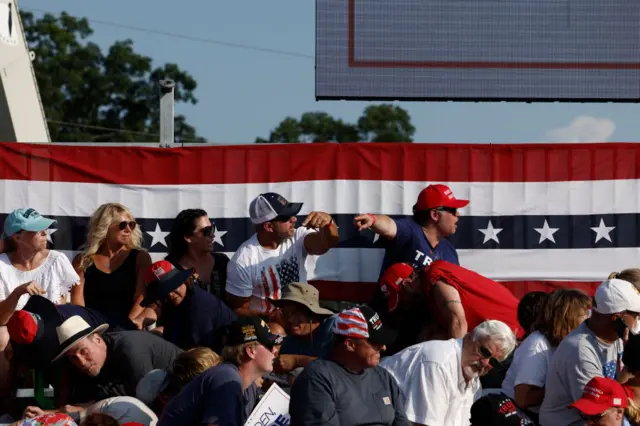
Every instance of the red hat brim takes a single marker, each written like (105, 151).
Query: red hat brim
(589, 407)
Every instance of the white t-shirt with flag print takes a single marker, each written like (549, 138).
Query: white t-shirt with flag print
(261, 273)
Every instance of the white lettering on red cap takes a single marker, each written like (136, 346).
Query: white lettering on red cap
(158, 271)
(617, 402)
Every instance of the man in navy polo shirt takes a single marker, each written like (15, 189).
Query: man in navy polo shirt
(420, 239)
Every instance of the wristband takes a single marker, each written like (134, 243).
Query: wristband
(372, 217)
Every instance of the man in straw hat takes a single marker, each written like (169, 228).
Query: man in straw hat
(114, 361)
(308, 327)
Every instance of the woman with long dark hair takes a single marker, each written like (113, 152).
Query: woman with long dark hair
(191, 247)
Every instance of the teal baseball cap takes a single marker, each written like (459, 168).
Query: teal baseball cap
(25, 220)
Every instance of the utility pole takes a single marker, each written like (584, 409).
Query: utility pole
(167, 131)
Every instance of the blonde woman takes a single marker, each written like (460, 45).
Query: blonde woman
(564, 310)
(112, 267)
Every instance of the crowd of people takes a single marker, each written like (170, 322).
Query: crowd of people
(198, 338)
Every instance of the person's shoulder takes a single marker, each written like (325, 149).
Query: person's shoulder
(319, 368)
(221, 374)
(246, 250)
(56, 256)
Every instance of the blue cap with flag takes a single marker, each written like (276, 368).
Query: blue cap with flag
(25, 220)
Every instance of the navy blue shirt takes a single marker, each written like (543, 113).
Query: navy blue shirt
(214, 397)
(198, 321)
(410, 245)
(318, 345)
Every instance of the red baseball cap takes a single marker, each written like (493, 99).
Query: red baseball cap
(438, 196)
(599, 395)
(391, 282)
(24, 327)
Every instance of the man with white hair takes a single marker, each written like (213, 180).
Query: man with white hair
(440, 379)
(593, 349)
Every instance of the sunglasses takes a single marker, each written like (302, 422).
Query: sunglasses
(486, 354)
(132, 225)
(593, 417)
(451, 210)
(207, 231)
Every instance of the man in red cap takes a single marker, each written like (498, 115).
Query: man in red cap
(420, 239)
(603, 402)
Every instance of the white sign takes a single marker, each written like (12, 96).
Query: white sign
(272, 410)
(8, 24)
(478, 50)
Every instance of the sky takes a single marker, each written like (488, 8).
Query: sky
(244, 94)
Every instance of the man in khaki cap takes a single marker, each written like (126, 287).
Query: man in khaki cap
(308, 328)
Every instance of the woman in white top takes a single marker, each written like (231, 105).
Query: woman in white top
(564, 310)
(28, 268)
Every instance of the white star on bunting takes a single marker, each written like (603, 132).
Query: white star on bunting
(546, 233)
(158, 236)
(218, 237)
(50, 232)
(602, 231)
(490, 233)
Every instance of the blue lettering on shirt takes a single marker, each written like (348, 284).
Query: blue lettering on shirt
(411, 246)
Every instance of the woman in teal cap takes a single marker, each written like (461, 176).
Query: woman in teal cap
(28, 267)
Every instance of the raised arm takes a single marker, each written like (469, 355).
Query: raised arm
(380, 224)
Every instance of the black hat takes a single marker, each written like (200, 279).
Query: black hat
(498, 409)
(269, 206)
(161, 279)
(251, 329)
(363, 323)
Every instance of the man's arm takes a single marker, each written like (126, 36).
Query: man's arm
(380, 224)
(317, 243)
(238, 290)
(449, 306)
(312, 401)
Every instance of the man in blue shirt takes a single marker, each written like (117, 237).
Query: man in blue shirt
(422, 238)
(225, 395)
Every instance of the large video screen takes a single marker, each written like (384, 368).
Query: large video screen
(540, 50)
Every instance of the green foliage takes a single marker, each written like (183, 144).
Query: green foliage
(378, 123)
(117, 89)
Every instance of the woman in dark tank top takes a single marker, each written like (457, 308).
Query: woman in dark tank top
(111, 269)
(191, 247)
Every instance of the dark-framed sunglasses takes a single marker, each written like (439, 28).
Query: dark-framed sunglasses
(451, 210)
(132, 225)
(486, 354)
(207, 230)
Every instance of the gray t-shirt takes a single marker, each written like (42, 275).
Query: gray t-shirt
(327, 394)
(580, 357)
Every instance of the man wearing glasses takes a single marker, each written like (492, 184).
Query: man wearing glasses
(420, 239)
(440, 379)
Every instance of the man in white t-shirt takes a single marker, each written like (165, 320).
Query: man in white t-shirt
(440, 379)
(275, 255)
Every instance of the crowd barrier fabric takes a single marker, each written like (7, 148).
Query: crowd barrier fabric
(541, 215)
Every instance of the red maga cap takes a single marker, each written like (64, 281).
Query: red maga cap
(599, 395)
(23, 327)
(438, 196)
(391, 282)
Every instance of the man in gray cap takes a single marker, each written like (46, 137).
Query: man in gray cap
(308, 328)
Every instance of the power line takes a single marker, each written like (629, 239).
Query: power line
(113, 129)
(188, 37)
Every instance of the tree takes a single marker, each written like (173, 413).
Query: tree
(378, 123)
(82, 86)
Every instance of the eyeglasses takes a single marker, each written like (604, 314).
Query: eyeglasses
(207, 231)
(451, 210)
(132, 225)
(486, 354)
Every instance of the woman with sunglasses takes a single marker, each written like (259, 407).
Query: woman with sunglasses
(192, 237)
(112, 268)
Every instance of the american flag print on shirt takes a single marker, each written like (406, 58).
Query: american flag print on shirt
(541, 216)
(276, 278)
